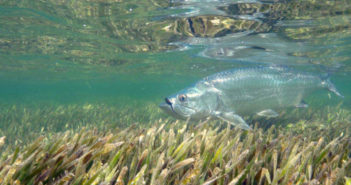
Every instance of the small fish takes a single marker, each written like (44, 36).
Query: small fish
(229, 95)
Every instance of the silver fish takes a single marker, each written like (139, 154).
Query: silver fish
(229, 95)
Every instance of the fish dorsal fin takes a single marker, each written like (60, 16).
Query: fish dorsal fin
(269, 113)
(233, 119)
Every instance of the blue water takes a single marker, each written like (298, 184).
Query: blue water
(131, 54)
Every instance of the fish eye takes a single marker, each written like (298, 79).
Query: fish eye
(182, 98)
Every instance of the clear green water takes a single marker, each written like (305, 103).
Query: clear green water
(128, 55)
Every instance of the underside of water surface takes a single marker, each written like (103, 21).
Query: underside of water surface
(81, 81)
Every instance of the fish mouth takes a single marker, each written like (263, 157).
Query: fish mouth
(168, 102)
(168, 108)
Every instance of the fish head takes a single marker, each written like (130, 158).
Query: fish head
(186, 104)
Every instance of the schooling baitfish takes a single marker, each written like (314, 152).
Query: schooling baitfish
(229, 95)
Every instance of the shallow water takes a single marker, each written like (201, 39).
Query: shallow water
(131, 54)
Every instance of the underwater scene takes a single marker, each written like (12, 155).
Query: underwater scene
(166, 92)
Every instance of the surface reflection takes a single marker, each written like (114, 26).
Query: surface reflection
(279, 32)
(58, 36)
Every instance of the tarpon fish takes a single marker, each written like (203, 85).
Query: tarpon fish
(229, 95)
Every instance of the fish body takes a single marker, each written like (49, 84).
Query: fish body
(229, 95)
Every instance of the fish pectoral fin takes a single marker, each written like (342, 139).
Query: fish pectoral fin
(302, 104)
(269, 113)
(233, 119)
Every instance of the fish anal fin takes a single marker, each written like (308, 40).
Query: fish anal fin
(233, 119)
(331, 87)
(269, 113)
(302, 104)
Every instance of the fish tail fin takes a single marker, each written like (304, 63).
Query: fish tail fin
(329, 85)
